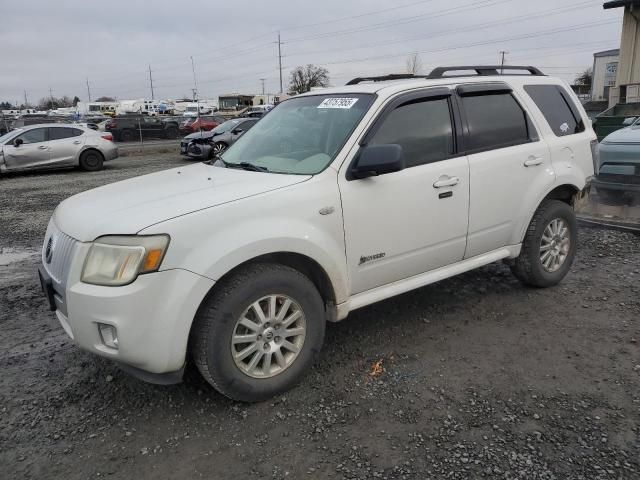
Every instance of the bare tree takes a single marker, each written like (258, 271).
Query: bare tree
(414, 64)
(585, 78)
(305, 78)
(105, 99)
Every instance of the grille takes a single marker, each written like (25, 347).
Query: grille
(61, 251)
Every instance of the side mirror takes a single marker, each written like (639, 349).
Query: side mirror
(17, 142)
(629, 121)
(373, 160)
(237, 131)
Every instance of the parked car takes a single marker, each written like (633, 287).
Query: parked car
(59, 145)
(618, 173)
(128, 128)
(239, 263)
(206, 145)
(202, 123)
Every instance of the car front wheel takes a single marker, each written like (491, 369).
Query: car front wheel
(258, 332)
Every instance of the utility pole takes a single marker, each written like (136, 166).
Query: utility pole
(262, 80)
(151, 80)
(280, 60)
(195, 85)
(51, 95)
(502, 54)
(26, 103)
(88, 89)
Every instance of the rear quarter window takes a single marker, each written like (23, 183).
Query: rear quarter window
(558, 109)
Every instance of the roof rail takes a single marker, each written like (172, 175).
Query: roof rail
(481, 70)
(385, 78)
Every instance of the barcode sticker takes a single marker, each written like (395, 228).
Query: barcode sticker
(337, 102)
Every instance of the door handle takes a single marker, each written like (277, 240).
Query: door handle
(42, 147)
(533, 161)
(77, 142)
(446, 181)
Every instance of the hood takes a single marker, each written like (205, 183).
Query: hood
(624, 135)
(131, 205)
(202, 134)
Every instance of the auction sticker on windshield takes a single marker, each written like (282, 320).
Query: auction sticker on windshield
(337, 102)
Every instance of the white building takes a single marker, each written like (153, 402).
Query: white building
(605, 68)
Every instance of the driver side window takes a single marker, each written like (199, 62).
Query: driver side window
(422, 128)
(36, 135)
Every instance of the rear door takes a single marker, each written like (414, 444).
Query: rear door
(65, 144)
(33, 151)
(509, 165)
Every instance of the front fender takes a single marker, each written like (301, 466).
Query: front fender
(214, 241)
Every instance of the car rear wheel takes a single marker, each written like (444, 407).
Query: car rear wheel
(127, 135)
(549, 245)
(258, 332)
(91, 161)
(172, 133)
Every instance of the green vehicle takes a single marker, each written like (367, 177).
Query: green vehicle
(615, 118)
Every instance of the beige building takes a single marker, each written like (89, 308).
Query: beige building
(627, 87)
(605, 67)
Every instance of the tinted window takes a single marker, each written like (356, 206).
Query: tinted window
(495, 121)
(34, 136)
(247, 125)
(58, 133)
(558, 109)
(423, 130)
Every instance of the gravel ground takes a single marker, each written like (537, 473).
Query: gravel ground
(473, 377)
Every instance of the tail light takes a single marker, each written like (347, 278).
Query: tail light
(595, 156)
(108, 136)
(110, 124)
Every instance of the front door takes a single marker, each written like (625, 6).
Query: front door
(33, 151)
(409, 222)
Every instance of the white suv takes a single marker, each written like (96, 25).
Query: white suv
(336, 199)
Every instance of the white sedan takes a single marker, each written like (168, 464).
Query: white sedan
(55, 145)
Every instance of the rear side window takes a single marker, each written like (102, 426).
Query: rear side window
(557, 107)
(58, 133)
(423, 130)
(495, 121)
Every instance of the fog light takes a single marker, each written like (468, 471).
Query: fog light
(108, 335)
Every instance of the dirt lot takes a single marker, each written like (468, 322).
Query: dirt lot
(481, 378)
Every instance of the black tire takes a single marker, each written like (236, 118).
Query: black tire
(528, 267)
(91, 161)
(171, 133)
(216, 322)
(127, 135)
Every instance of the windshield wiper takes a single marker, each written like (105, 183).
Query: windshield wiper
(246, 166)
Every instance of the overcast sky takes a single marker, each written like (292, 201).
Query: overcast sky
(59, 44)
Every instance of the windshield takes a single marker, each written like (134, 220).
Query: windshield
(9, 135)
(226, 126)
(191, 109)
(301, 135)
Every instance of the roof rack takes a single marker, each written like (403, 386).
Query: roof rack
(385, 78)
(482, 70)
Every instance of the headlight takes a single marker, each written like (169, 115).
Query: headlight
(118, 260)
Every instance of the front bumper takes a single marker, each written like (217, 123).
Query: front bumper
(152, 317)
(628, 183)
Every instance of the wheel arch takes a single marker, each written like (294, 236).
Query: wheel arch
(565, 192)
(89, 149)
(297, 261)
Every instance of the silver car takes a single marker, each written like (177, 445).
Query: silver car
(55, 145)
